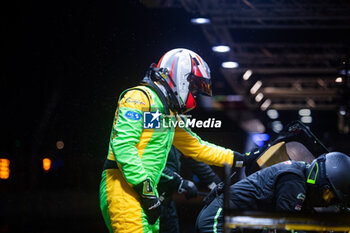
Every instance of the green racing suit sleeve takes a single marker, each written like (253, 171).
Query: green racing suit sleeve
(127, 129)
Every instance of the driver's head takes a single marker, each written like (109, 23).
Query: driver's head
(187, 75)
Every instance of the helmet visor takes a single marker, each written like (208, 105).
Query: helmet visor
(199, 85)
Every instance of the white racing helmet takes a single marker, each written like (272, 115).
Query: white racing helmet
(187, 75)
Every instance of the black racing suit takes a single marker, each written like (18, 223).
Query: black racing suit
(281, 187)
(170, 181)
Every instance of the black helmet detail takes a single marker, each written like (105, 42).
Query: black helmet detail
(330, 171)
(338, 174)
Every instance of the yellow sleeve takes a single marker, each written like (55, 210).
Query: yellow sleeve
(193, 146)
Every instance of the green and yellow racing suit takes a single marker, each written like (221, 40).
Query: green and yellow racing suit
(140, 153)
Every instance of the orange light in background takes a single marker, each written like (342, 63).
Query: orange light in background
(4, 169)
(46, 164)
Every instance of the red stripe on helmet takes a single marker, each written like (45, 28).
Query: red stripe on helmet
(171, 74)
(160, 61)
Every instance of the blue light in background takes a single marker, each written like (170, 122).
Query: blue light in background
(260, 138)
(57, 163)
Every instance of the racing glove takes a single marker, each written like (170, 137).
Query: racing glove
(188, 188)
(247, 159)
(251, 165)
(149, 201)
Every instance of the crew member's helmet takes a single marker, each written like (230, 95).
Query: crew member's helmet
(338, 173)
(331, 171)
(187, 75)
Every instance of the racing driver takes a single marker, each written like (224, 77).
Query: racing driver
(138, 149)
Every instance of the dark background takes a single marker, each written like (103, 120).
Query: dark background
(65, 65)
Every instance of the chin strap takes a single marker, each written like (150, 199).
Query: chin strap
(159, 75)
(149, 83)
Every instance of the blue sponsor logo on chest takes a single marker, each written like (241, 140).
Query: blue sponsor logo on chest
(133, 115)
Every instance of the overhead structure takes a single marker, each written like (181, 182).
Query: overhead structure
(296, 49)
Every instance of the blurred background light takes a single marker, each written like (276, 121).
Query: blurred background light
(277, 126)
(229, 64)
(310, 102)
(4, 168)
(200, 20)
(247, 74)
(60, 145)
(46, 164)
(343, 72)
(234, 98)
(259, 97)
(272, 113)
(252, 126)
(265, 105)
(342, 111)
(306, 119)
(260, 138)
(221, 48)
(304, 112)
(339, 80)
(255, 87)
